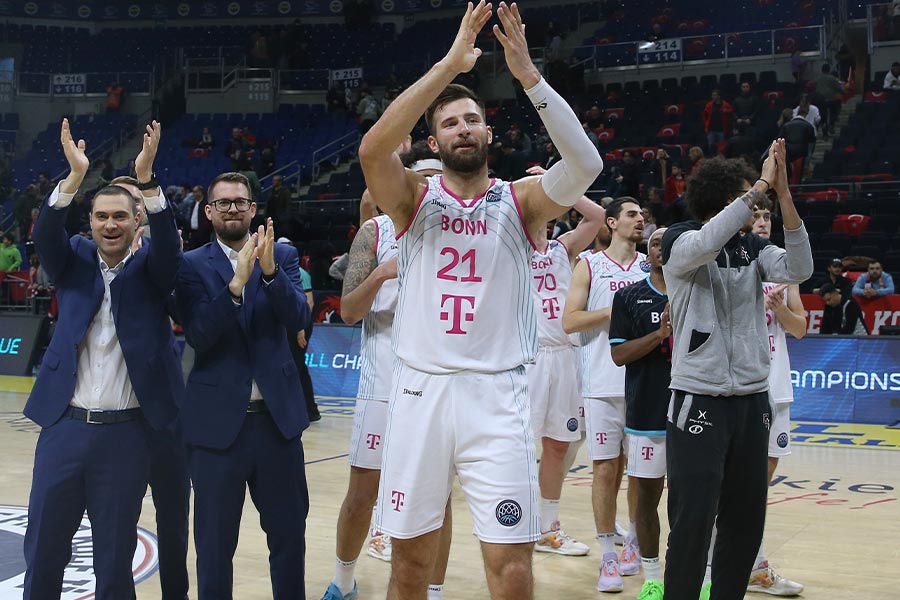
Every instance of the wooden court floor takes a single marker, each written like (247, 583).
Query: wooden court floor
(833, 520)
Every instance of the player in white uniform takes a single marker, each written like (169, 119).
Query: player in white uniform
(370, 293)
(588, 308)
(556, 407)
(465, 324)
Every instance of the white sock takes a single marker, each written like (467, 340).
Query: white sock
(632, 533)
(607, 542)
(549, 515)
(435, 591)
(707, 577)
(652, 569)
(343, 575)
(760, 556)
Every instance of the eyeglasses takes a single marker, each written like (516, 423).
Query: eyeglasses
(224, 204)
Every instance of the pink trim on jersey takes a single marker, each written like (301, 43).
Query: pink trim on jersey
(375, 248)
(631, 264)
(561, 243)
(415, 212)
(473, 200)
(512, 190)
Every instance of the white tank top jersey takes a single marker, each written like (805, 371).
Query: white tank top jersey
(375, 345)
(551, 274)
(780, 388)
(600, 377)
(465, 291)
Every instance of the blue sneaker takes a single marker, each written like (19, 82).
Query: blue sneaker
(333, 593)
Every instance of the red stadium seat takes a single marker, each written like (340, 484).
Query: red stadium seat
(852, 224)
(613, 113)
(674, 109)
(879, 96)
(667, 131)
(607, 135)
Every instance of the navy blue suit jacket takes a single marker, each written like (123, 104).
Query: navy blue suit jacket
(235, 345)
(138, 295)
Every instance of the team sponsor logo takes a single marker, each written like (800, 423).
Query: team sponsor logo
(767, 422)
(184, 9)
(416, 393)
(31, 8)
(541, 105)
(647, 452)
(336, 6)
(234, 9)
(645, 266)
(508, 513)
(398, 500)
(782, 440)
(645, 301)
(84, 11)
(387, 5)
(373, 440)
(284, 8)
(134, 11)
(572, 424)
(78, 578)
(696, 429)
(699, 423)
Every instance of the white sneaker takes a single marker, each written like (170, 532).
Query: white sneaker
(764, 579)
(559, 542)
(380, 547)
(630, 560)
(621, 534)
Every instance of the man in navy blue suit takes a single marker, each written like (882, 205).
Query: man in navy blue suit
(244, 410)
(110, 374)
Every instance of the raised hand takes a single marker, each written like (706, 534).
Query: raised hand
(143, 164)
(781, 182)
(770, 165)
(75, 155)
(463, 54)
(536, 170)
(245, 263)
(266, 236)
(515, 46)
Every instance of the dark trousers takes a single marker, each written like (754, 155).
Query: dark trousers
(716, 457)
(80, 466)
(171, 487)
(273, 469)
(299, 356)
(831, 110)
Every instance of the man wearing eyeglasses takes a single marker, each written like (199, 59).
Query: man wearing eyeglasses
(244, 409)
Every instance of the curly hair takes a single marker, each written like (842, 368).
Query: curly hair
(714, 183)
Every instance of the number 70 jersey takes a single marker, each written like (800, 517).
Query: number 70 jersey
(465, 283)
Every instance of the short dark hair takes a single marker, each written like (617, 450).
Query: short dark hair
(874, 261)
(827, 288)
(765, 203)
(451, 93)
(614, 208)
(127, 179)
(116, 190)
(9, 236)
(230, 177)
(895, 64)
(714, 182)
(418, 151)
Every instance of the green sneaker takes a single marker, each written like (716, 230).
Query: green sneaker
(652, 590)
(704, 591)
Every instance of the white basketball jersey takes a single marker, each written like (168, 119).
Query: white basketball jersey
(600, 377)
(375, 345)
(465, 290)
(780, 388)
(551, 274)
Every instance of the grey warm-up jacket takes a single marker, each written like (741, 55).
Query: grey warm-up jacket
(714, 281)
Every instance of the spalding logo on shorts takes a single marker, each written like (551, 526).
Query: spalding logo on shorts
(782, 440)
(509, 513)
(645, 266)
(572, 424)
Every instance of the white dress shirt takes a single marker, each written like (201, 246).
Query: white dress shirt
(232, 255)
(102, 382)
(891, 82)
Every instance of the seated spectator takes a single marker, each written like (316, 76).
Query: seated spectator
(249, 137)
(675, 185)
(659, 168)
(892, 79)
(205, 140)
(695, 155)
(566, 223)
(716, 121)
(629, 176)
(874, 283)
(10, 257)
(40, 281)
(519, 140)
(594, 118)
(236, 149)
(842, 315)
(834, 274)
(45, 184)
(746, 108)
(831, 90)
(551, 154)
(661, 213)
(741, 144)
(649, 223)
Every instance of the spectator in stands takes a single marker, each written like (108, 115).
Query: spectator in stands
(661, 212)
(249, 137)
(40, 281)
(649, 224)
(675, 185)
(892, 79)
(595, 139)
(266, 161)
(368, 110)
(746, 108)
(834, 275)
(236, 149)
(716, 121)
(874, 283)
(10, 257)
(568, 222)
(629, 176)
(114, 98)
(45, 184)
(279, 205)
(842, 315)
(198, 226)
(809, 111)
(205, 140)
(656, 34)
(741, 144)
(695, 155)
(831, 90)
(845, 62)
(798, 68)
(659, 169)
(594, 117)
(798, 134)
(335, 99)
(29, 235)
(27, 201)
(77, 217)
(552, 155)
(519, 140)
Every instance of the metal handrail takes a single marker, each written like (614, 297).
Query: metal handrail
(287, 177)
(347, 140)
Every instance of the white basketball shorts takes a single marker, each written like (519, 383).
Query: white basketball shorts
(605, 422)
(646, 456)
(367, 441)
(476, 425)
(780, 431)
(554, 394)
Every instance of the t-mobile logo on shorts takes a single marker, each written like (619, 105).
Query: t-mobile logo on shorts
(647, 452)
(398, 499)
(601, 438)
(456, 312)
(373, 440)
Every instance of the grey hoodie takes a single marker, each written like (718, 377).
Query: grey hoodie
(714, 281)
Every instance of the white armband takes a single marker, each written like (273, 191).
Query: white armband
(567, 180)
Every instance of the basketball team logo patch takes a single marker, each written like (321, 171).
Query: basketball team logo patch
(645, 266)
(572, 424)
(782, 440)
(78, 579)
(509, 513)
